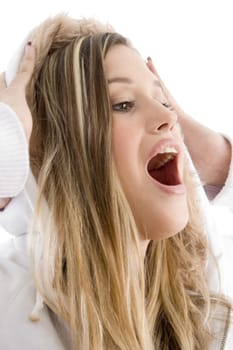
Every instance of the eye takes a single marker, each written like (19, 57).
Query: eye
(124, 107)
(166, 105)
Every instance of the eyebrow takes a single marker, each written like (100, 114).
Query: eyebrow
(119, 80)
(129, 81)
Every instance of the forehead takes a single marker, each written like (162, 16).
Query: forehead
(122, 61)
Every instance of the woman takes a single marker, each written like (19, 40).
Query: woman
(118, 248)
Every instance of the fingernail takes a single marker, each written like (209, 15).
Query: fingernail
(149, 58)
(28, 48)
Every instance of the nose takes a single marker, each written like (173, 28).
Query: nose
(160, 119)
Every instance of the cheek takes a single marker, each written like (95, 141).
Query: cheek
(120, 143)
(121, 146)
(125, 150)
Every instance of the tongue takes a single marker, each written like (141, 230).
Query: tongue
(167, 174)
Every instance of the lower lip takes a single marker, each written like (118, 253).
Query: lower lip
(177, 189)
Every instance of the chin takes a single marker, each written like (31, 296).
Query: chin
(171, 228)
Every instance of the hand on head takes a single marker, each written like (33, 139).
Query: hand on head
(14, 95)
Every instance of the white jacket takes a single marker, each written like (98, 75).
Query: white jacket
(17, 290)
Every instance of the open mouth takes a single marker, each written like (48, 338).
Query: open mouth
(163, 167)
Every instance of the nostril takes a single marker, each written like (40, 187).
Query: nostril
(163, 126)
(162, 121)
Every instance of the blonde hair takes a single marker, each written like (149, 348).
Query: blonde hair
(86, 241)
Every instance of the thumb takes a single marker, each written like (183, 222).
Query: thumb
(2, 82)
(26, 68)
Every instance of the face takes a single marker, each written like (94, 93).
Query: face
(147, 145)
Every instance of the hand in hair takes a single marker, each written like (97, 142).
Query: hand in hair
(15, 94)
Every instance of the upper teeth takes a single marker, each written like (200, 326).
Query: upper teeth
(171, 152)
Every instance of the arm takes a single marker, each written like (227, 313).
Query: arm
(210, 151)
(15, 130)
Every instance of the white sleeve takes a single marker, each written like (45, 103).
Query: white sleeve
(16, 217)
(225, 195)
(14, 157)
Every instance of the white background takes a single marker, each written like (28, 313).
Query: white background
(190, 42)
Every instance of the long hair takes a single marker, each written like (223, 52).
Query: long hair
(85, 246)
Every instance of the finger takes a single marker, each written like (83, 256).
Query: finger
(26, 67)
(4, 202)
(151, 66)
(2, 81)
(167, 93)
(28, 60)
